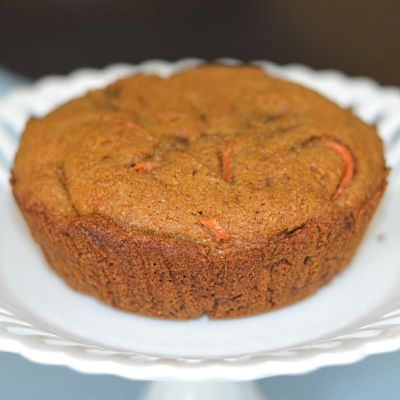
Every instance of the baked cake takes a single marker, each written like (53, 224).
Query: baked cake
(220, 190)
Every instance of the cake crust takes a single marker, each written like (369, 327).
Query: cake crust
(220, 191)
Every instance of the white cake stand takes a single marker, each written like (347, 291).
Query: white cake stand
(356, 315)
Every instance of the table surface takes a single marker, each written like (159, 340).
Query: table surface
(376, 377)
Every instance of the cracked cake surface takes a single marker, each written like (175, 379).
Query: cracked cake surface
(218, 190)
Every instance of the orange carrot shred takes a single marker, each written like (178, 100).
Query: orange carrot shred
(348, 162)
(226, 162)
(146, 166)
(215, 227)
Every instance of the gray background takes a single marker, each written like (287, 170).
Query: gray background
(375, 378)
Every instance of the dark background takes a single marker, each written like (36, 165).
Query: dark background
(359, 37)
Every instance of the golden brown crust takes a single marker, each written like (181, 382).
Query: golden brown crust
(220, 190)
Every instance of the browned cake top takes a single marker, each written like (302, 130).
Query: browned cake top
(216, 155)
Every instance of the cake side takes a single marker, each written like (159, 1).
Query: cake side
(174, 278)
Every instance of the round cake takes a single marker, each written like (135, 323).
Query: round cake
(219, 190)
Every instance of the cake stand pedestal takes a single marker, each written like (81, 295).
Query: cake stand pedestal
(202, 391)
(356, 315)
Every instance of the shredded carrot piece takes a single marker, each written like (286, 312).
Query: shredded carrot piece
(146, 166)
(226, 162)
(348, 162)
(215, 227)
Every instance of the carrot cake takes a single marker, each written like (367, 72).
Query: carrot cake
(219, 190)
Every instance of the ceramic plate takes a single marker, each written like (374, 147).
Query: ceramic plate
(356, 315)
